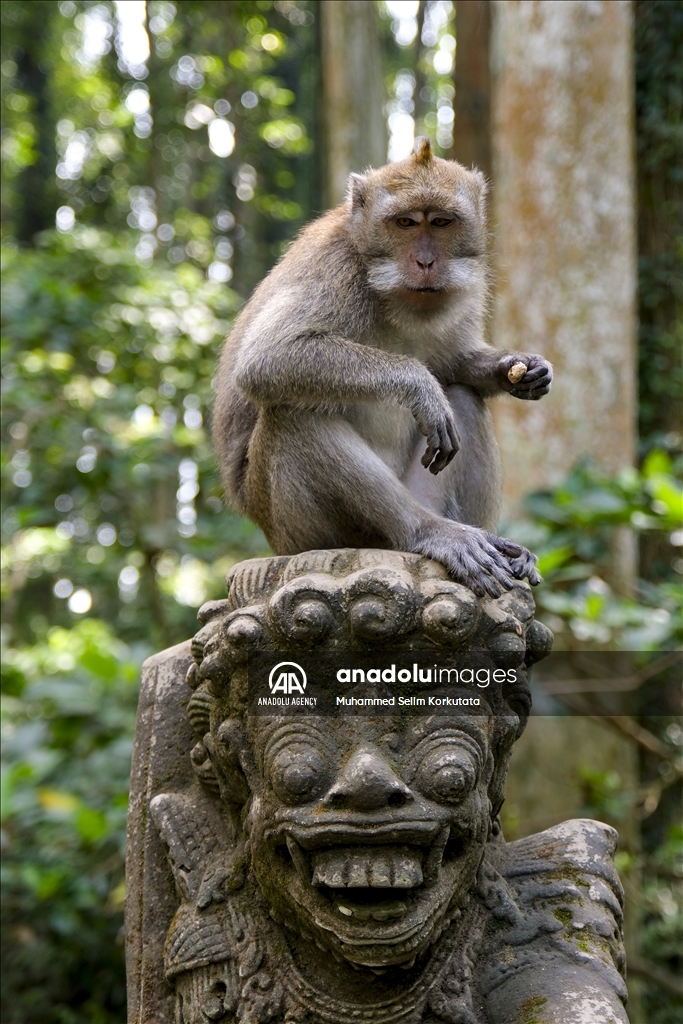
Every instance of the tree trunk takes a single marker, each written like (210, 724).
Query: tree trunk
(564, 214)
(354, 128)
(472, 103)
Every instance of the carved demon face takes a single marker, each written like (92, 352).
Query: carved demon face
(366, 833)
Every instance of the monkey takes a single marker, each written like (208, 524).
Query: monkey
(364, 341)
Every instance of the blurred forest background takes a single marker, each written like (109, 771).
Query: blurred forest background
(157, 158)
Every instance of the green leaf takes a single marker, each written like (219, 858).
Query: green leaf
(91, 824)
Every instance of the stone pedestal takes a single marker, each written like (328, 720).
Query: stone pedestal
(324, 846)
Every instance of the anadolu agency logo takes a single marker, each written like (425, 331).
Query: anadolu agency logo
(287, 684)
(287, 677)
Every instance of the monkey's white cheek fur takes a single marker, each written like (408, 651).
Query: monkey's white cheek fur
(385, 276)
(462, 273)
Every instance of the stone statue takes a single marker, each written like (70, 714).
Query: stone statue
(297, 867)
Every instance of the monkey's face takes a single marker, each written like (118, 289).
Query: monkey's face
(367, 833)
(425, 253)
(420, 229)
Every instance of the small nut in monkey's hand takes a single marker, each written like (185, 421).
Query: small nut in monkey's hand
(516, 372)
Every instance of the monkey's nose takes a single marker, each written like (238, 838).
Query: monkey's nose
(425, 263)
(367, 783)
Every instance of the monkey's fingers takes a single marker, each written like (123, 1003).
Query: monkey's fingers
(539, 378)
(429, 454)
(534, 373)
(453, 436)
(542, 381)
(532, 394)
(536, 381)
(444, 456)
(442, 446)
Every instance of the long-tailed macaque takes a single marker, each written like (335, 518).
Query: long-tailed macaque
(366, 338)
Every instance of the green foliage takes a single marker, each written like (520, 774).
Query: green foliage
(662, 935)
(112, 485)
(603, 795)
(66, 750)
(577, 529)
(203, 150)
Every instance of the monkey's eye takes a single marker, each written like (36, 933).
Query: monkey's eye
(406, 222)
(441, 222)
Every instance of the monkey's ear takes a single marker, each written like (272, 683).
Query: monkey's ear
(423, 151)
(357, 191)
(482, 190)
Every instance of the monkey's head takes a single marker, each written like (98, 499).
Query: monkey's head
(420, 226)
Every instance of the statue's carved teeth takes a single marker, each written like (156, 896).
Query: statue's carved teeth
(384, 867)
(435, 857)
(300, 859)
(389, 911)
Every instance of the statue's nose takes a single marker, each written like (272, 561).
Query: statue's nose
(367, 782)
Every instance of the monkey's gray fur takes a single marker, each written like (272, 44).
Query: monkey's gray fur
(366, 338)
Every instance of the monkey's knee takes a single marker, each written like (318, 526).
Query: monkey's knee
(293, 479)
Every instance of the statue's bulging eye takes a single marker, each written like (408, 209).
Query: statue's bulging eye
(299, 773)
(447, 774)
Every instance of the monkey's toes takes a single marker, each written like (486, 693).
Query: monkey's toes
(524, 567)
(507, 547)
(490, 567)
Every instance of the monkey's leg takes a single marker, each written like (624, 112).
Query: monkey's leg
(327, 488)
(469, 489)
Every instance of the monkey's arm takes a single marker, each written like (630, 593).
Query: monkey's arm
(486, 369)
(327, 371)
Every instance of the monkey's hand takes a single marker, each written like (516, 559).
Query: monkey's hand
(436, 421)
(533, 384)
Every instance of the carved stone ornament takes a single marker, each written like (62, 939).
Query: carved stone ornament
(350, 869)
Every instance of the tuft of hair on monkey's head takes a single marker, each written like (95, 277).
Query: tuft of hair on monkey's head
(423, 151)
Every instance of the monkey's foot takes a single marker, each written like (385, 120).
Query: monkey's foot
(481, 561)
